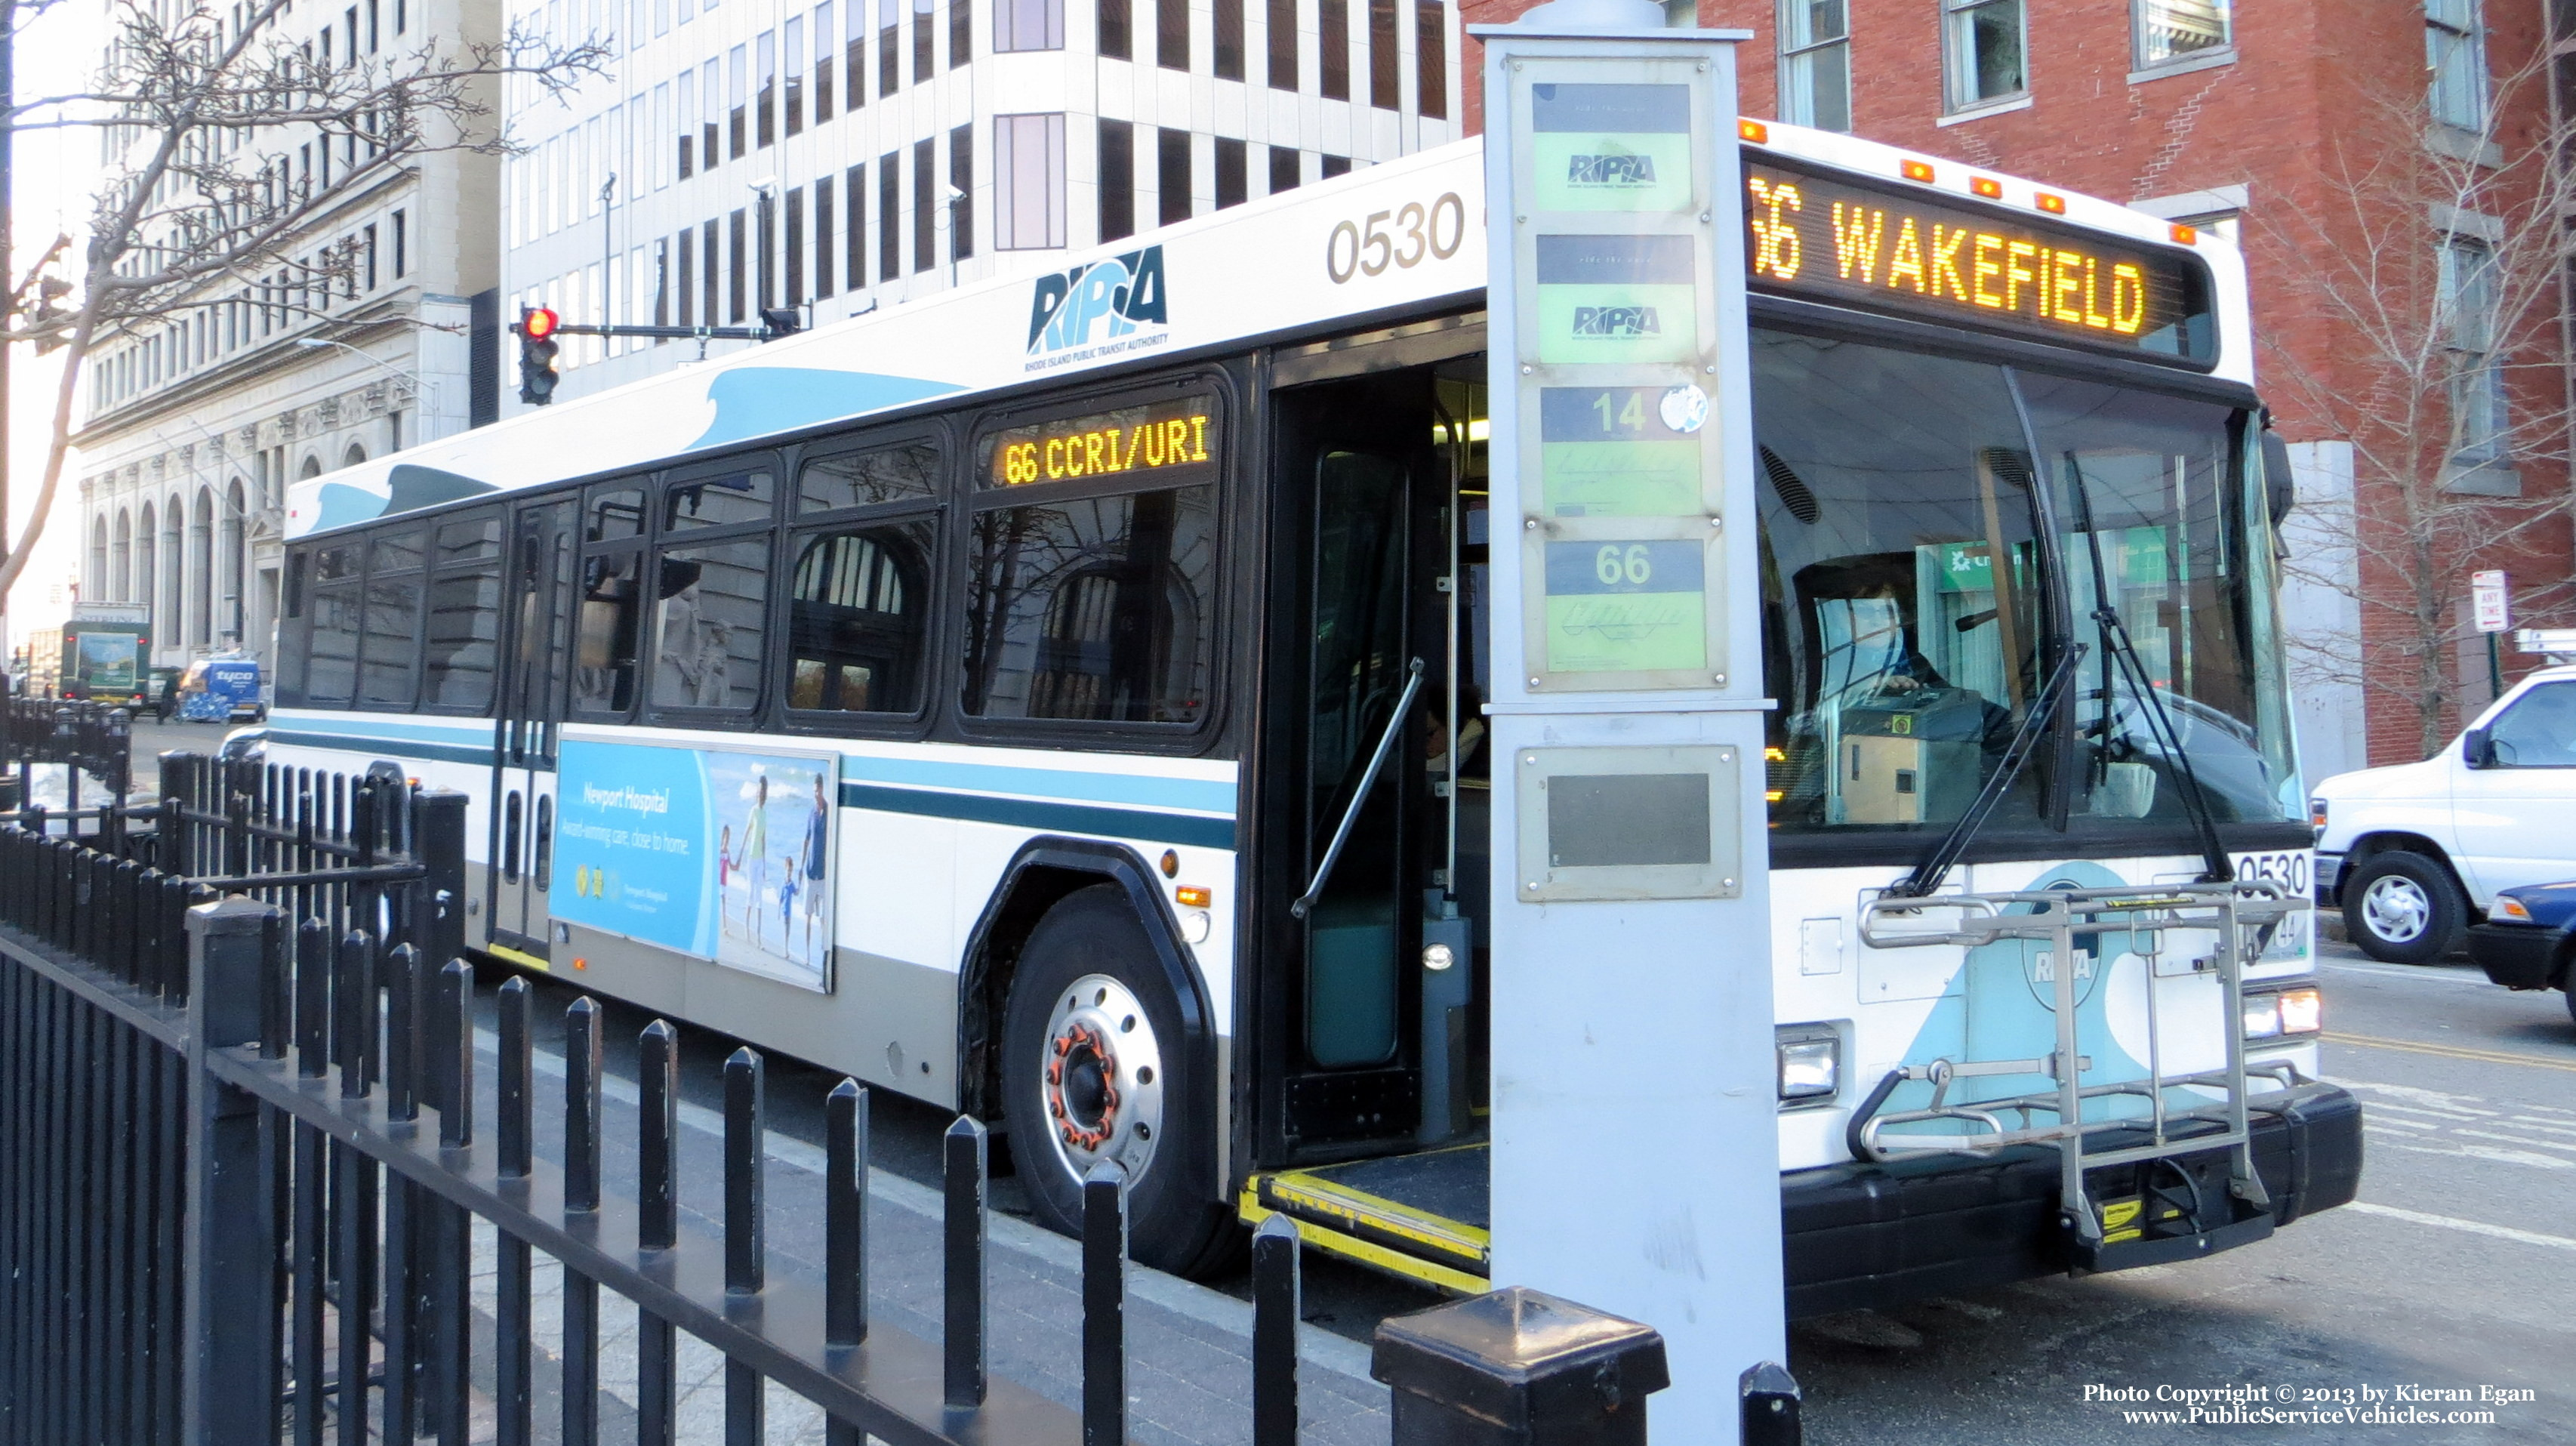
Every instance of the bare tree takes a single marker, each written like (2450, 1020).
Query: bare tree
(2435, 263)
(200, 105)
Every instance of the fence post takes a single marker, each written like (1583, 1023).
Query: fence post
(438, 841)
(1104, 1305)
(1277, 1306)
(230, 1249)
(1769, 1404)
(1518, 1368)
(746, 1210)
(964, 1164)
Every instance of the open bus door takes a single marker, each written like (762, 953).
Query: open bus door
(536, 665)
(1370, 1098)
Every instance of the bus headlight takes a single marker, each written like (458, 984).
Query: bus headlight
(1810, 1060)
(2271, 1014)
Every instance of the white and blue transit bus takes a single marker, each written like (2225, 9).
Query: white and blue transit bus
(963, 694)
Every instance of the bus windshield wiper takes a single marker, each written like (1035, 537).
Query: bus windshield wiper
(2118, 648)
(1936, 866)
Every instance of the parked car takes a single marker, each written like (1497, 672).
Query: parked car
(2524, 944)
(2416, 853)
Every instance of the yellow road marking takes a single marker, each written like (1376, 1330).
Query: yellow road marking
(2452, 1051)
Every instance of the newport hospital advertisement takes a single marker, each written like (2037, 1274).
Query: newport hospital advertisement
(720, 854)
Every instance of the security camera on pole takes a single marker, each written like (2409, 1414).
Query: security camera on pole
(1635, 1130)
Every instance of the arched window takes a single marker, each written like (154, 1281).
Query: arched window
(201, 569)
(232, 564)
(356, 454)
(312, 468)
(173, 572)
(98, 556)
(120, 558)
(147, 545)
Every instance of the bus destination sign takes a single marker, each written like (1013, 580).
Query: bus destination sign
(1158, 438)
(1910, 253)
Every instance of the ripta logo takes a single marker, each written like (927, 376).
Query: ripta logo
(1616, 321)
(1070, 308)
(1610, 171)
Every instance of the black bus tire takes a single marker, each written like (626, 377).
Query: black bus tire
(2400, 907)
(1089, 993)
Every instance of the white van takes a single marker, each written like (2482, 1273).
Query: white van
(2415, 852)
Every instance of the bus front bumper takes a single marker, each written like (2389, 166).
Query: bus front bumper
(1862, 1236)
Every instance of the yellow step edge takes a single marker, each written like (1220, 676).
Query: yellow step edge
(508, 955)
(1376, 1257)
(1358, 1207)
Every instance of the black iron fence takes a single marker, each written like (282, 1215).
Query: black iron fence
(240, 1159)
(94, 739)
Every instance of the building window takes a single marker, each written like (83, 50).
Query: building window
(961, 32)
(1117, 32)
(1333, 41)
(822, 237)
(1431, 59)
(1283, 44)
(688, 273)
(828, 53)
(764, 51)
(711, 249)
(961, 192)
(1229, 39)
(889, 206)
(1329, 166)
(1233, 181)
(2467, 304)
(855, 225)
(688, 102)
(1117, 179)
(402, 247)
(925, 204)
(2171, 30)
(1283, 169)
(1028, 25)
(1172, 34)
(737, 69)
(2455, 51)
(794, 60)
(1983, 51)
(889, 47)
(1172, 173)
(924, 37)
(1815, 63)
(1384, 63)
(734, 278)
(1028, 182)
(796, 245)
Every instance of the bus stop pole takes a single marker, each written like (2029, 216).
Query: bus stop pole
(1635, 1124)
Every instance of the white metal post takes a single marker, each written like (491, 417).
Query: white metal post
(1635, 1126)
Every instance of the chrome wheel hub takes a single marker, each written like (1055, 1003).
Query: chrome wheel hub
(1102, 1078)
(2397, 909)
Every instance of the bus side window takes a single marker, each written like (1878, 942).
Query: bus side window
(389, 675)
(858, 626)
(603, 678)
(464, 627)
(292, 616)
(613, 514)
(331, 656)
(712, 607)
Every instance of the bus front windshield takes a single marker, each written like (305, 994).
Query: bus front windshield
(1937, 532)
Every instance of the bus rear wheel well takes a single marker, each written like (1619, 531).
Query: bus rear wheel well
(1042, 874)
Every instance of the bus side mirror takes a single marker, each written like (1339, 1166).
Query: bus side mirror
(2477, 748)
(2279, 488)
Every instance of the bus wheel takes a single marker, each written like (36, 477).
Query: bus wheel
(1094, 1068)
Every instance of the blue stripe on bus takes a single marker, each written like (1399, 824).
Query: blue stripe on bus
(382, 747)
(1173, 828)
(1123, 789)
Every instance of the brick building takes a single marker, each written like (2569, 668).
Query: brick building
(2313, 132)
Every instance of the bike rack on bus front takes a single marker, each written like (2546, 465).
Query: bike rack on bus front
(2230, 913)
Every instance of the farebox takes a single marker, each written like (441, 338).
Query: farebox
(1910, 757)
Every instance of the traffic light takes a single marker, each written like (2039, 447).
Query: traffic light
(537, 348)
(781, 321)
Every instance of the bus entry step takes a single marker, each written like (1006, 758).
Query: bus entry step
(1424, 1217)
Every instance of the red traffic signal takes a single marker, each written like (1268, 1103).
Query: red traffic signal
(538, 322)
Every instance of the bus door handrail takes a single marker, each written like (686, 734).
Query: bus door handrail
(1368, 782)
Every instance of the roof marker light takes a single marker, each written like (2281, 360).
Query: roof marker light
(1754, 131)
(1917, 171)
(2053, 204)
(2186, 235)
(1987, 186)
